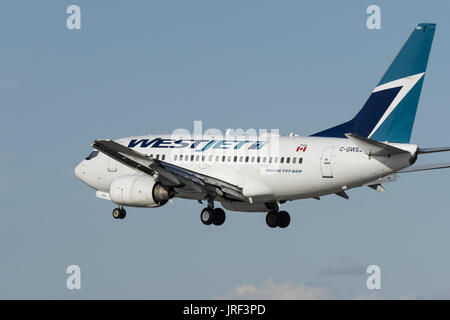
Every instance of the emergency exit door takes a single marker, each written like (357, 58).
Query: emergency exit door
(325, 162)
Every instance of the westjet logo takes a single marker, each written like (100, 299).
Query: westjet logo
(198, 145)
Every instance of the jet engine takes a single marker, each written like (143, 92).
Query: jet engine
(139, 191)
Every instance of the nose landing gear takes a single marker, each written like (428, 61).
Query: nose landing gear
(119, 213)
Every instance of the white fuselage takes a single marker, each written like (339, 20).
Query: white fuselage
(272, 168)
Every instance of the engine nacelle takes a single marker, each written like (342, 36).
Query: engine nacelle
(139, 191)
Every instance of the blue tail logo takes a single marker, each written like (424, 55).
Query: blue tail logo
(389, 113)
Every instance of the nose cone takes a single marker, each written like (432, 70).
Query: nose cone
(80, 171)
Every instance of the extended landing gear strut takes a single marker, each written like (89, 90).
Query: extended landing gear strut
(278, 219)
(119, 213)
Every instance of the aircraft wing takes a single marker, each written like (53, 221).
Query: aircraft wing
(426, 167)
(168, 174)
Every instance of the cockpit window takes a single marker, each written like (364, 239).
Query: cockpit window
(93, 154)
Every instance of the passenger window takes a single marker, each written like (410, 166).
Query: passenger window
(163, 157)
(241, 158)
(223, 158)
(253, 159)
(157, 157)
(235, 158)
(175, 158)
(275, 160)
(203, 158)
(192, 158)
(246, 159)
(258, 159)
(186, 158)
(300, 160)
(229, 158)
(264, 160)
(288, 160)
(293, 160)
(282, 160)
(270, 159)
(197, 158)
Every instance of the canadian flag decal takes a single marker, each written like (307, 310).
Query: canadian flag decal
(301, 147)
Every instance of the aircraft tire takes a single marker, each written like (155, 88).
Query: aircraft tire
(123, 213)
(218, 217)
(283, 219)
(206, 216)
(117, 213)
(272, 219)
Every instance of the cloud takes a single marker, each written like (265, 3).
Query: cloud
(344, 267)
(271, 290)
(409, 296)
(442, 295)
(370, 296)
(376, 296)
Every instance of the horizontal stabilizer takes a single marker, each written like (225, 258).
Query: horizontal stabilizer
(426, 167)
(374, 148)
(432, 150)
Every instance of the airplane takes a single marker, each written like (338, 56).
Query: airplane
(262, 172)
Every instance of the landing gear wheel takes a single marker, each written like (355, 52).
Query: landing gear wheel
(123, 213)
(283, 219)
(119, 213)
(272, 219)
(218, 217)
(207, 216)
(116, 213)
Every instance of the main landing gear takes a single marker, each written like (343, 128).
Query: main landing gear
(119, 213)
(278, 219)
(212, 216)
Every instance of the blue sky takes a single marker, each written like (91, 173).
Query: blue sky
(142, 67)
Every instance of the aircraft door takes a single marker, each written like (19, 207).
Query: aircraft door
(325, 162)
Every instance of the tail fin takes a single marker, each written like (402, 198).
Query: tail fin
(388, 114)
